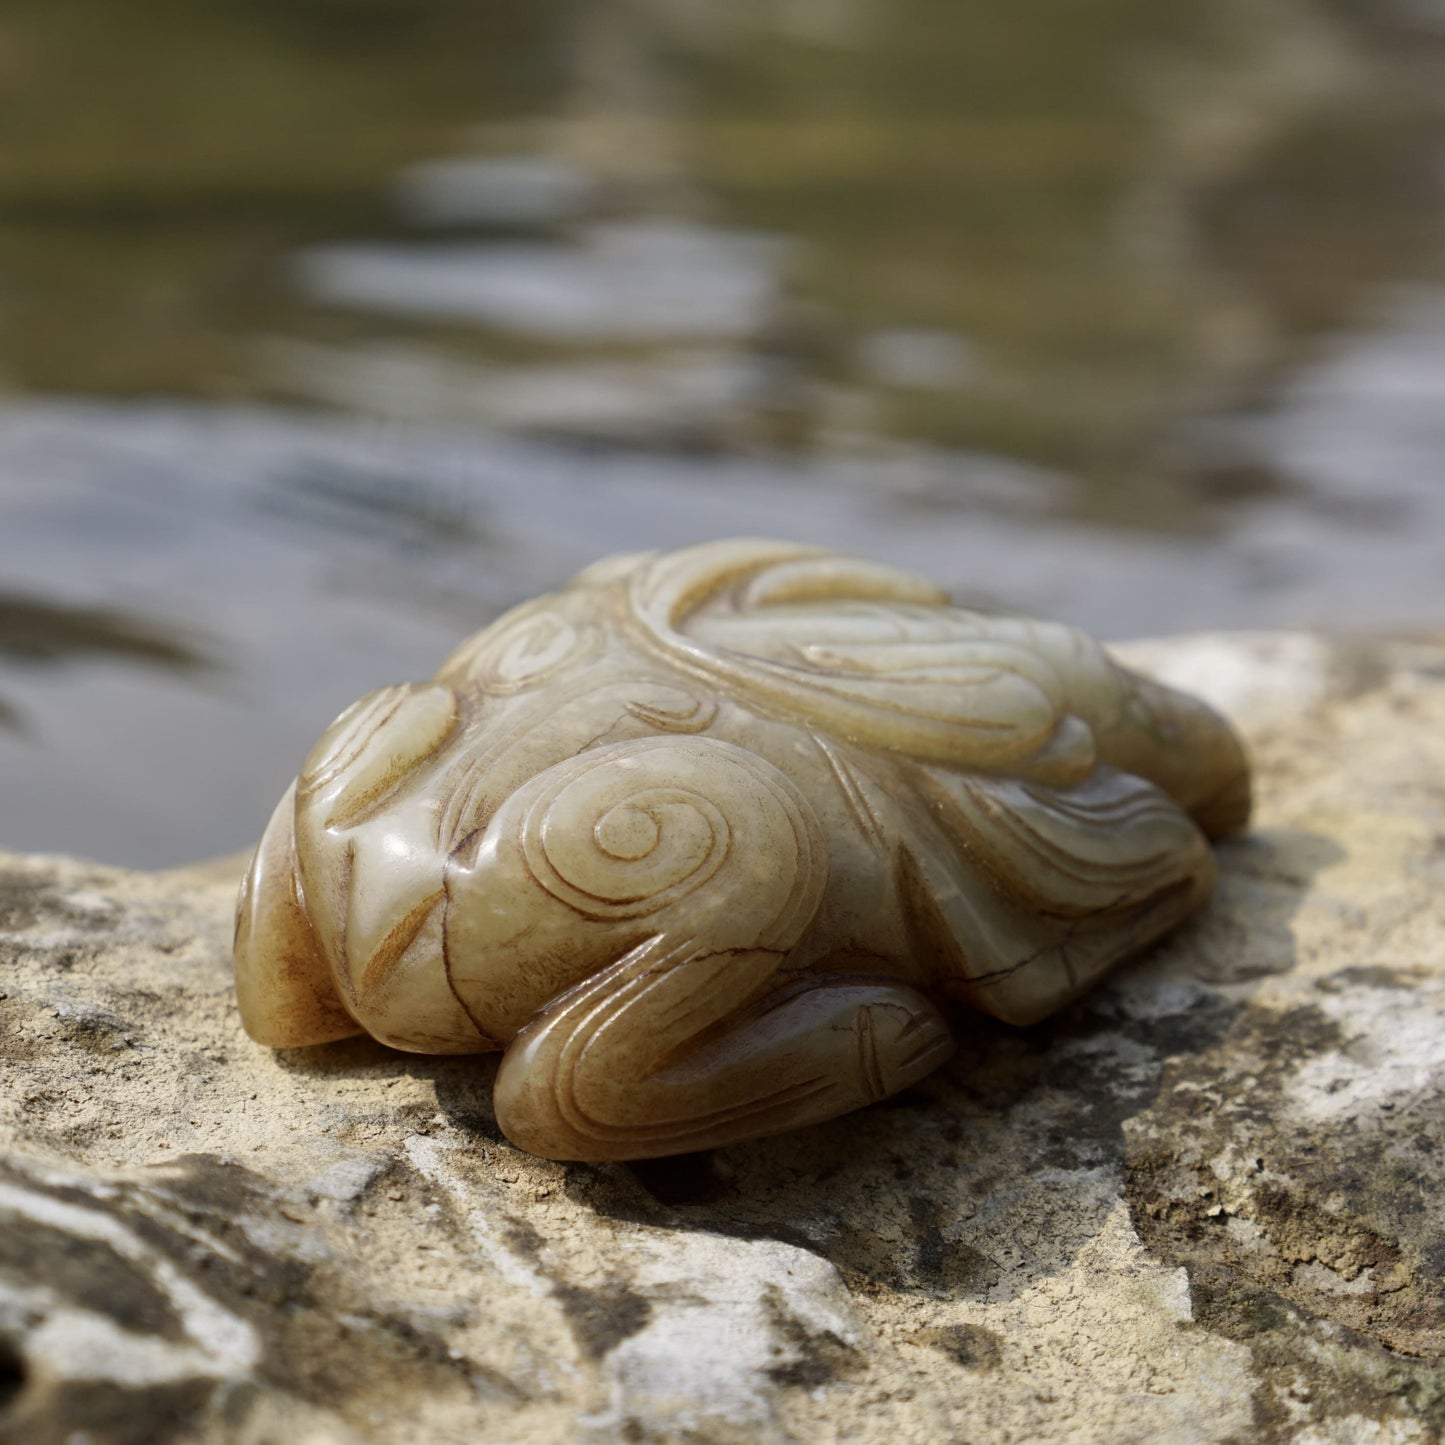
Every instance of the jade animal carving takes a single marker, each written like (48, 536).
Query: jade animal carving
(707, 841)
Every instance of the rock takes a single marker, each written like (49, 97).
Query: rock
(1205, 1204)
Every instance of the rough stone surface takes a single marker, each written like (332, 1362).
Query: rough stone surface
(1205, 1205)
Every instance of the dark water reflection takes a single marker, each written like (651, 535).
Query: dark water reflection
(37, 632)
(330, 327)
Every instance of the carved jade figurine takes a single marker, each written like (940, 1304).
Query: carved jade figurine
(707, 841)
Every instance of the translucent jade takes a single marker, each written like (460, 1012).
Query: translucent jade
(707, 841)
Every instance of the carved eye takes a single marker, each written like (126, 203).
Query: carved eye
(374, 744)
(520, 653)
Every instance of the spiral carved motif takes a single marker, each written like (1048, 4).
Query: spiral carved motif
(627, 831)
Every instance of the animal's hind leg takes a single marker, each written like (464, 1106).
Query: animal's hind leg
(663, 1053)
(1023, 896)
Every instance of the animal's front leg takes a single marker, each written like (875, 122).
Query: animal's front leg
(676, 1048)
(284, 985)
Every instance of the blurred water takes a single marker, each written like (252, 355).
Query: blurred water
(329, 329)
(637, 281)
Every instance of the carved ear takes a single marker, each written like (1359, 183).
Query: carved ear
(283, 984)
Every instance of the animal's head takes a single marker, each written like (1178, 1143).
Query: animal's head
(338, 921)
